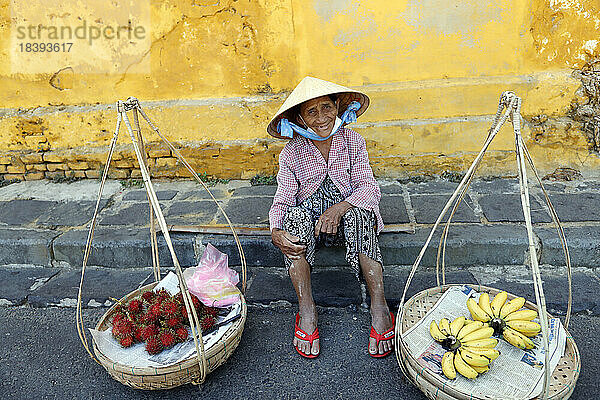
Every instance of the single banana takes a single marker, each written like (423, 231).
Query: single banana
(445, 326)
(476, 312)
(512, 306)
(448, 365)
(435, 332)
(481, 343)
(463, 368)
(481, 333)
(480, 370)
(498, 302)
(492, 354)
(527, 328)
(528, 342)
(512, 337)
(457, 325)
(524, 315)
(474, 359)
(484, 303)
(473, 326)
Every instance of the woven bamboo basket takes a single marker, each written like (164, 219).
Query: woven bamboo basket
(558, 384)
(434, 385)
(194, 369)
(182, 373)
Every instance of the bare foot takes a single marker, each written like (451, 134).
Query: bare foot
(308, 323)
(382, 322)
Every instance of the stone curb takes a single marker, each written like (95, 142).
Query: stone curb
(332, 287)
(44, 229)
(467, 244)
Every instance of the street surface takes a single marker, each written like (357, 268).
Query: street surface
(42, 358)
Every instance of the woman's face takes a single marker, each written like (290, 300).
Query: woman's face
(319, 114)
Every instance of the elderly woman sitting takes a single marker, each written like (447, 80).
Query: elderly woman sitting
(327, 195)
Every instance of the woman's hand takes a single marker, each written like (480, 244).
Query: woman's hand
(329, 221)
(287, 243)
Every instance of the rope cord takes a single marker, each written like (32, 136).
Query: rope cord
(400, 316)
(561, 235)
(88, 245)
(535, 271)
(153, 242)
(132, 104)
(197, 178)
(511, 105)
(194, 322)
(444, 237)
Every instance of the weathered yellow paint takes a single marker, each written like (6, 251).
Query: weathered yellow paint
(434, 70)
(565, 33)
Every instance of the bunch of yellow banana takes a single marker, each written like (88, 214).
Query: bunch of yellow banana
(469, 345)
(506, 318)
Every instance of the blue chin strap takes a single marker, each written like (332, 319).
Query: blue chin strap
(286, 128)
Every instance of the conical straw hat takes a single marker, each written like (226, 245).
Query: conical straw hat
(310, 88)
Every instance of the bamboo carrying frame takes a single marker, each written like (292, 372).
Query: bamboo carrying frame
(195, 369)
(558, 384)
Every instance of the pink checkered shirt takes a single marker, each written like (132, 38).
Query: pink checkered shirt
(302, 169)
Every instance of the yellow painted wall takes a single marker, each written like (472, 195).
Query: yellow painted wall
(219, 69)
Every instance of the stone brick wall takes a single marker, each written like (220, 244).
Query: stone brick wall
(218, 160)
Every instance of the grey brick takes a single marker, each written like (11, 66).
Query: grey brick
(100, 285)
(248, 211)
(120, 248)
(22, 212)
(17, 282)
(508, 208)
(259, 190)
(26, 246)
(577, 207)
(428, 207)
(583, 243)
(140, 195)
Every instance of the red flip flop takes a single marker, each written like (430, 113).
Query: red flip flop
(300, 334)
(387, 335)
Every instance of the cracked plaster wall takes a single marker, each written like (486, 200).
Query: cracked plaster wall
(220, 69)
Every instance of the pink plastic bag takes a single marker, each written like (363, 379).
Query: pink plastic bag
(213, 281)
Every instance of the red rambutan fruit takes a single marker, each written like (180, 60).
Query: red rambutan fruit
(126, 341)
(182, 333)
(197, 303)
(207, 322)
(138, 333)
(135, 306)
(118, 316)
(149, 332)
(148, 296)
(167, 338)
(154, 309)
(148, 318)
(169, 309)
(162, 294)
(126, 327)
(173, 322)
(115, 331)
(212, 311)
(154, 346)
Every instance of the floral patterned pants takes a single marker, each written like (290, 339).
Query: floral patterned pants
(356, 230)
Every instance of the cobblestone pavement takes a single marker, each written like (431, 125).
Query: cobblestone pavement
(46, 224)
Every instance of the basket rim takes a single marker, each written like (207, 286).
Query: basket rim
(405, 357)
(236, 328)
